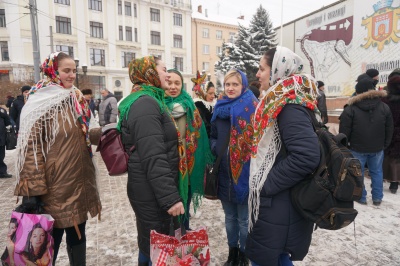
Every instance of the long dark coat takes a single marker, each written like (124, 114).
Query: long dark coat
(280, 228)
(152, 167)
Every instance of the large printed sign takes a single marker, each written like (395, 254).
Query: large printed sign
(382, 25)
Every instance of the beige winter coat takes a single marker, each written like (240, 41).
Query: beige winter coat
(65, 180)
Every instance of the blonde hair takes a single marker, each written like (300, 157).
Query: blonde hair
(233, 73)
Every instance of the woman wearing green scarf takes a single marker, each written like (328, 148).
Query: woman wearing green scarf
(153, 165)
(193, 135)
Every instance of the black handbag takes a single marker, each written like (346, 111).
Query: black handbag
(211, 177)
(11, 138)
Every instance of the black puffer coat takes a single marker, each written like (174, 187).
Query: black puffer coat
(280, 228)
(16, 108)
(4, 121)
(367, 122)
(152, 167)
(393, 101)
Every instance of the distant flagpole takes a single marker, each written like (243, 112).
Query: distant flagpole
(281, 24)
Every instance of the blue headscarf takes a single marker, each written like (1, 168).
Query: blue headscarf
(240, 111)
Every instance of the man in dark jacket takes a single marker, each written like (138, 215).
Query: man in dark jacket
(16, 106)
(87, 94)
(321, 99)
(4, 121)
(368, 124)
(10, 99)
(108, 108)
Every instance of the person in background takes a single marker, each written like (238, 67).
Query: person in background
(4, 122)
(285, 152)
(153, 165)
(87, 94)
(205, 104)
(321, 102)
(108, 108)
(368, 124)
(231, 121)
(10, 99)
(196, 145)
(374, 74)
(255, 88)
(391, 161)
(17, 104)
(54, 164)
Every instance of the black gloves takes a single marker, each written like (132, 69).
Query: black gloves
(31, 205)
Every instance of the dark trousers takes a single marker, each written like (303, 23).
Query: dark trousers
(3, 166)
(71, 237)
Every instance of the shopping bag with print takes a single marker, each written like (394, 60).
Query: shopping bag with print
(29, 240)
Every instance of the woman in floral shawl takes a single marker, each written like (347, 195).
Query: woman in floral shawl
(54, 157)
(197, 153)
(285, 151)
(153, 165)
(232, 119)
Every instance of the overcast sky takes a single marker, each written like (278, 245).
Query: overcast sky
(234, 8)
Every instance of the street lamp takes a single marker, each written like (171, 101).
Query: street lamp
(77, 75)
(208, 76)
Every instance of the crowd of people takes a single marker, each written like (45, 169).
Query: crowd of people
(262, 132)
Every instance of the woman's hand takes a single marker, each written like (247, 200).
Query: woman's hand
(177, 209)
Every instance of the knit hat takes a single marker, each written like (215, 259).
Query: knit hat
(25, 88)
(320, 84)
(364, 85)
(87, 92)
(372, 72)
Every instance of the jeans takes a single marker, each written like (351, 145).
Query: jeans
(374, 162)
(284, 260)
(71, 237)
(236, 223)
(144, 259)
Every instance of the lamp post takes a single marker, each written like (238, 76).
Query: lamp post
(77, 74)
(208, 76)
(84, 69)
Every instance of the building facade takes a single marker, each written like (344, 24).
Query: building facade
(104, 35)
(208, 34)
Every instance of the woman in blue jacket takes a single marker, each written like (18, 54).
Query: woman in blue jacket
(285, 150)
(232, 119)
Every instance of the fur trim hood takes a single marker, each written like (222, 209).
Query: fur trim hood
(372, 94)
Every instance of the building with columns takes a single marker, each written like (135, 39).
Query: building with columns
(103, 35)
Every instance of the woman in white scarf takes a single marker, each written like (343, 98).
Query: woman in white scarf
(285, 151)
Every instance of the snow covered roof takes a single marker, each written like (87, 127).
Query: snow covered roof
(220, 19)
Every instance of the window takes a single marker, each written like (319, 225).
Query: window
(126, 58)
(232, 37)
(128, 9)
(206, 49)
(121, 33)
(128, 33)
(63, 25)
(97, 57)
(135, 10)
(155, 38)
(177, 19)
(119, 7)
(4, 51)
(158, 56)
(155, 14)
(206, 33)
(2, 18)
(63, 2)
(178, 63)
(219, 50)
(219, 34)
(69, 50)
(206, 66)
(177, 41)
(96, 29)
(95, 5)
(136, 35)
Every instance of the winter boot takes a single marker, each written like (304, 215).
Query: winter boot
(77, 255)
(143, 264)
(393, 187)
(233, 258)
(243, 261)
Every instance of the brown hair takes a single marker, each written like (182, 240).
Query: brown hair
(269, 56)
(61, 56)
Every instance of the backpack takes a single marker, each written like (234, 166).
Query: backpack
(112, 151)
(326, 197)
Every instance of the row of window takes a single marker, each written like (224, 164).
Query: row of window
(97, 56)
(218, 34)
(206, 49)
